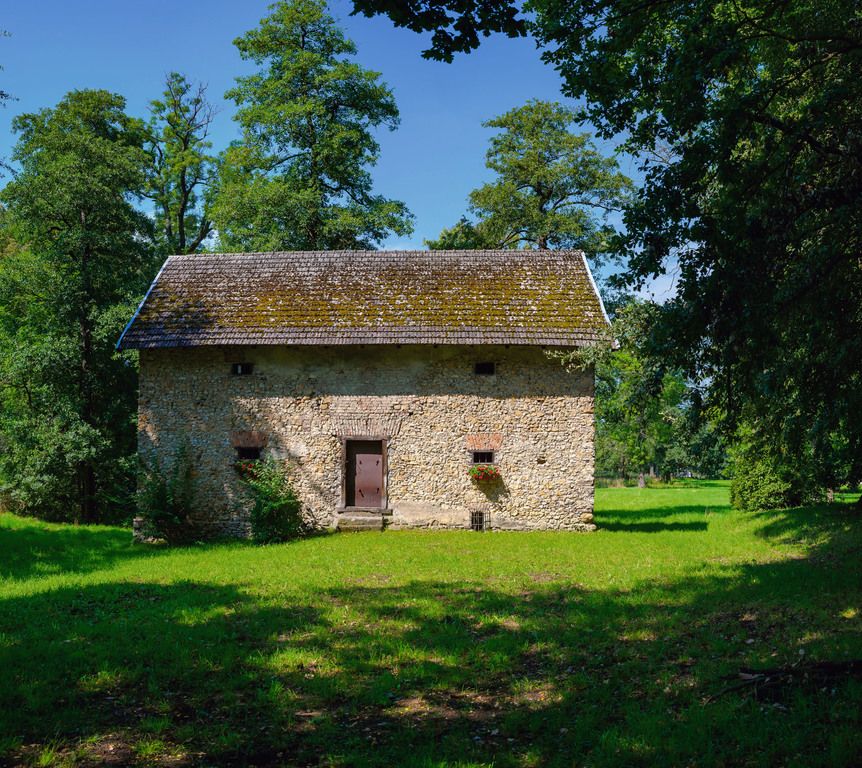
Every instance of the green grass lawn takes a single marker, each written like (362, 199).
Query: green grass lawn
(618, 648)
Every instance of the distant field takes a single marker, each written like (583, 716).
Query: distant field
(619, 648)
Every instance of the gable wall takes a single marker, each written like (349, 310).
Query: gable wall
(427, 402)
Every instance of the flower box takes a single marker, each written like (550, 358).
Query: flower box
(484, 473)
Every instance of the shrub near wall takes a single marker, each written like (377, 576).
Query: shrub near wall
(165, 498)
(277, 512)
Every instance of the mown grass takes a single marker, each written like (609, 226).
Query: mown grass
(618, 648)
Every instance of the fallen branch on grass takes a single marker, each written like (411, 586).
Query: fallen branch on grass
(778, 677)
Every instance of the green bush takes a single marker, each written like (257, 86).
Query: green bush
(277, 512)
(764, 481)
(757, 485)
(165, 499)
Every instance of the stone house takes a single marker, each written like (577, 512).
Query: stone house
(378, 378)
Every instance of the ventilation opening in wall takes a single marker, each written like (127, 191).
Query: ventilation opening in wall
(485, 369)
(241, 369)
(483, 457)
(478, 520)
(248, 454)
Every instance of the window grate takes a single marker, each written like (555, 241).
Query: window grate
(241, 369)
(248, 454)
(483, 457)
(478, 520)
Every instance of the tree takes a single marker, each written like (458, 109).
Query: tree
(299, 177)
(549, 184)
(5, 96)
(182, 168)
(746, 118)
(464, 236)
(456, 24)
(649, 416)
(66, 287)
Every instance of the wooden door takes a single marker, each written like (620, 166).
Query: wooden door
(364, 473)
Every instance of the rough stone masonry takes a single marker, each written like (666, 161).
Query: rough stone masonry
(300, 404)
(376, 393)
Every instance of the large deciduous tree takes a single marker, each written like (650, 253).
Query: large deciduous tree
(553, 188)
(649, 416)
(76, 259)
(746, 116)
(299, 178)
(183, 170)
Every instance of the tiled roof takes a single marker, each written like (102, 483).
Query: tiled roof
(370, 297)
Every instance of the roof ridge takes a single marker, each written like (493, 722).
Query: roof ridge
(533, 253)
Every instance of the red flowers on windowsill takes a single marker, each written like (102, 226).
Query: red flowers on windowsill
(246, 468)
(484, 473)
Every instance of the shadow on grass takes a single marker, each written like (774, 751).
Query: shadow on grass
(30, 551)
(608, 524)
(443, 673)
(658, 519)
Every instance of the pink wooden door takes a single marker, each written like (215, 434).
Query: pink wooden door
(364, 473)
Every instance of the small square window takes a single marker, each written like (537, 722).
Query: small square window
(478, 520)
(483, 457)
(241, 369)
(485, 369)
(248, 454)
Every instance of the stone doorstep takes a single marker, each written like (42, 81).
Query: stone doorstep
(361, 518)
(348, 522)
(364, 511)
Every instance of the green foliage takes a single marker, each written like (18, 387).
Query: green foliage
(549, 184)
(649, 416)
(277, 512)
(165, 498)
(745, 117)
(182, 170)
(764, 477)
(757, 484)
(457, 25)
(75, 263)
(676, 592)
(299, 177)
(464, 236)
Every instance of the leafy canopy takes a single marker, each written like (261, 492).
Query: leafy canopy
(182, 168)
(649, 415)
(75, 260)
(746, 118)
(299, 178)
(552, 187)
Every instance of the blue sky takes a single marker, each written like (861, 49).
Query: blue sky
(431, 162)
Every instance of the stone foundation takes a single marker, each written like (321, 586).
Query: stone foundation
(428, 406)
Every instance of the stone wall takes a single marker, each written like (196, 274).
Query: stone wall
(301, 403)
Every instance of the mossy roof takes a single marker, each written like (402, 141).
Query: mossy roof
(370, 297)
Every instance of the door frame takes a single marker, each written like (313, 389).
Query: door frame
(384, 451)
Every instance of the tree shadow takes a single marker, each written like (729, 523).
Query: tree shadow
(444, 672)
(658, 519)
(29, 551)
(657, 527)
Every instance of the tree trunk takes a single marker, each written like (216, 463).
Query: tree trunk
(641, 480)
